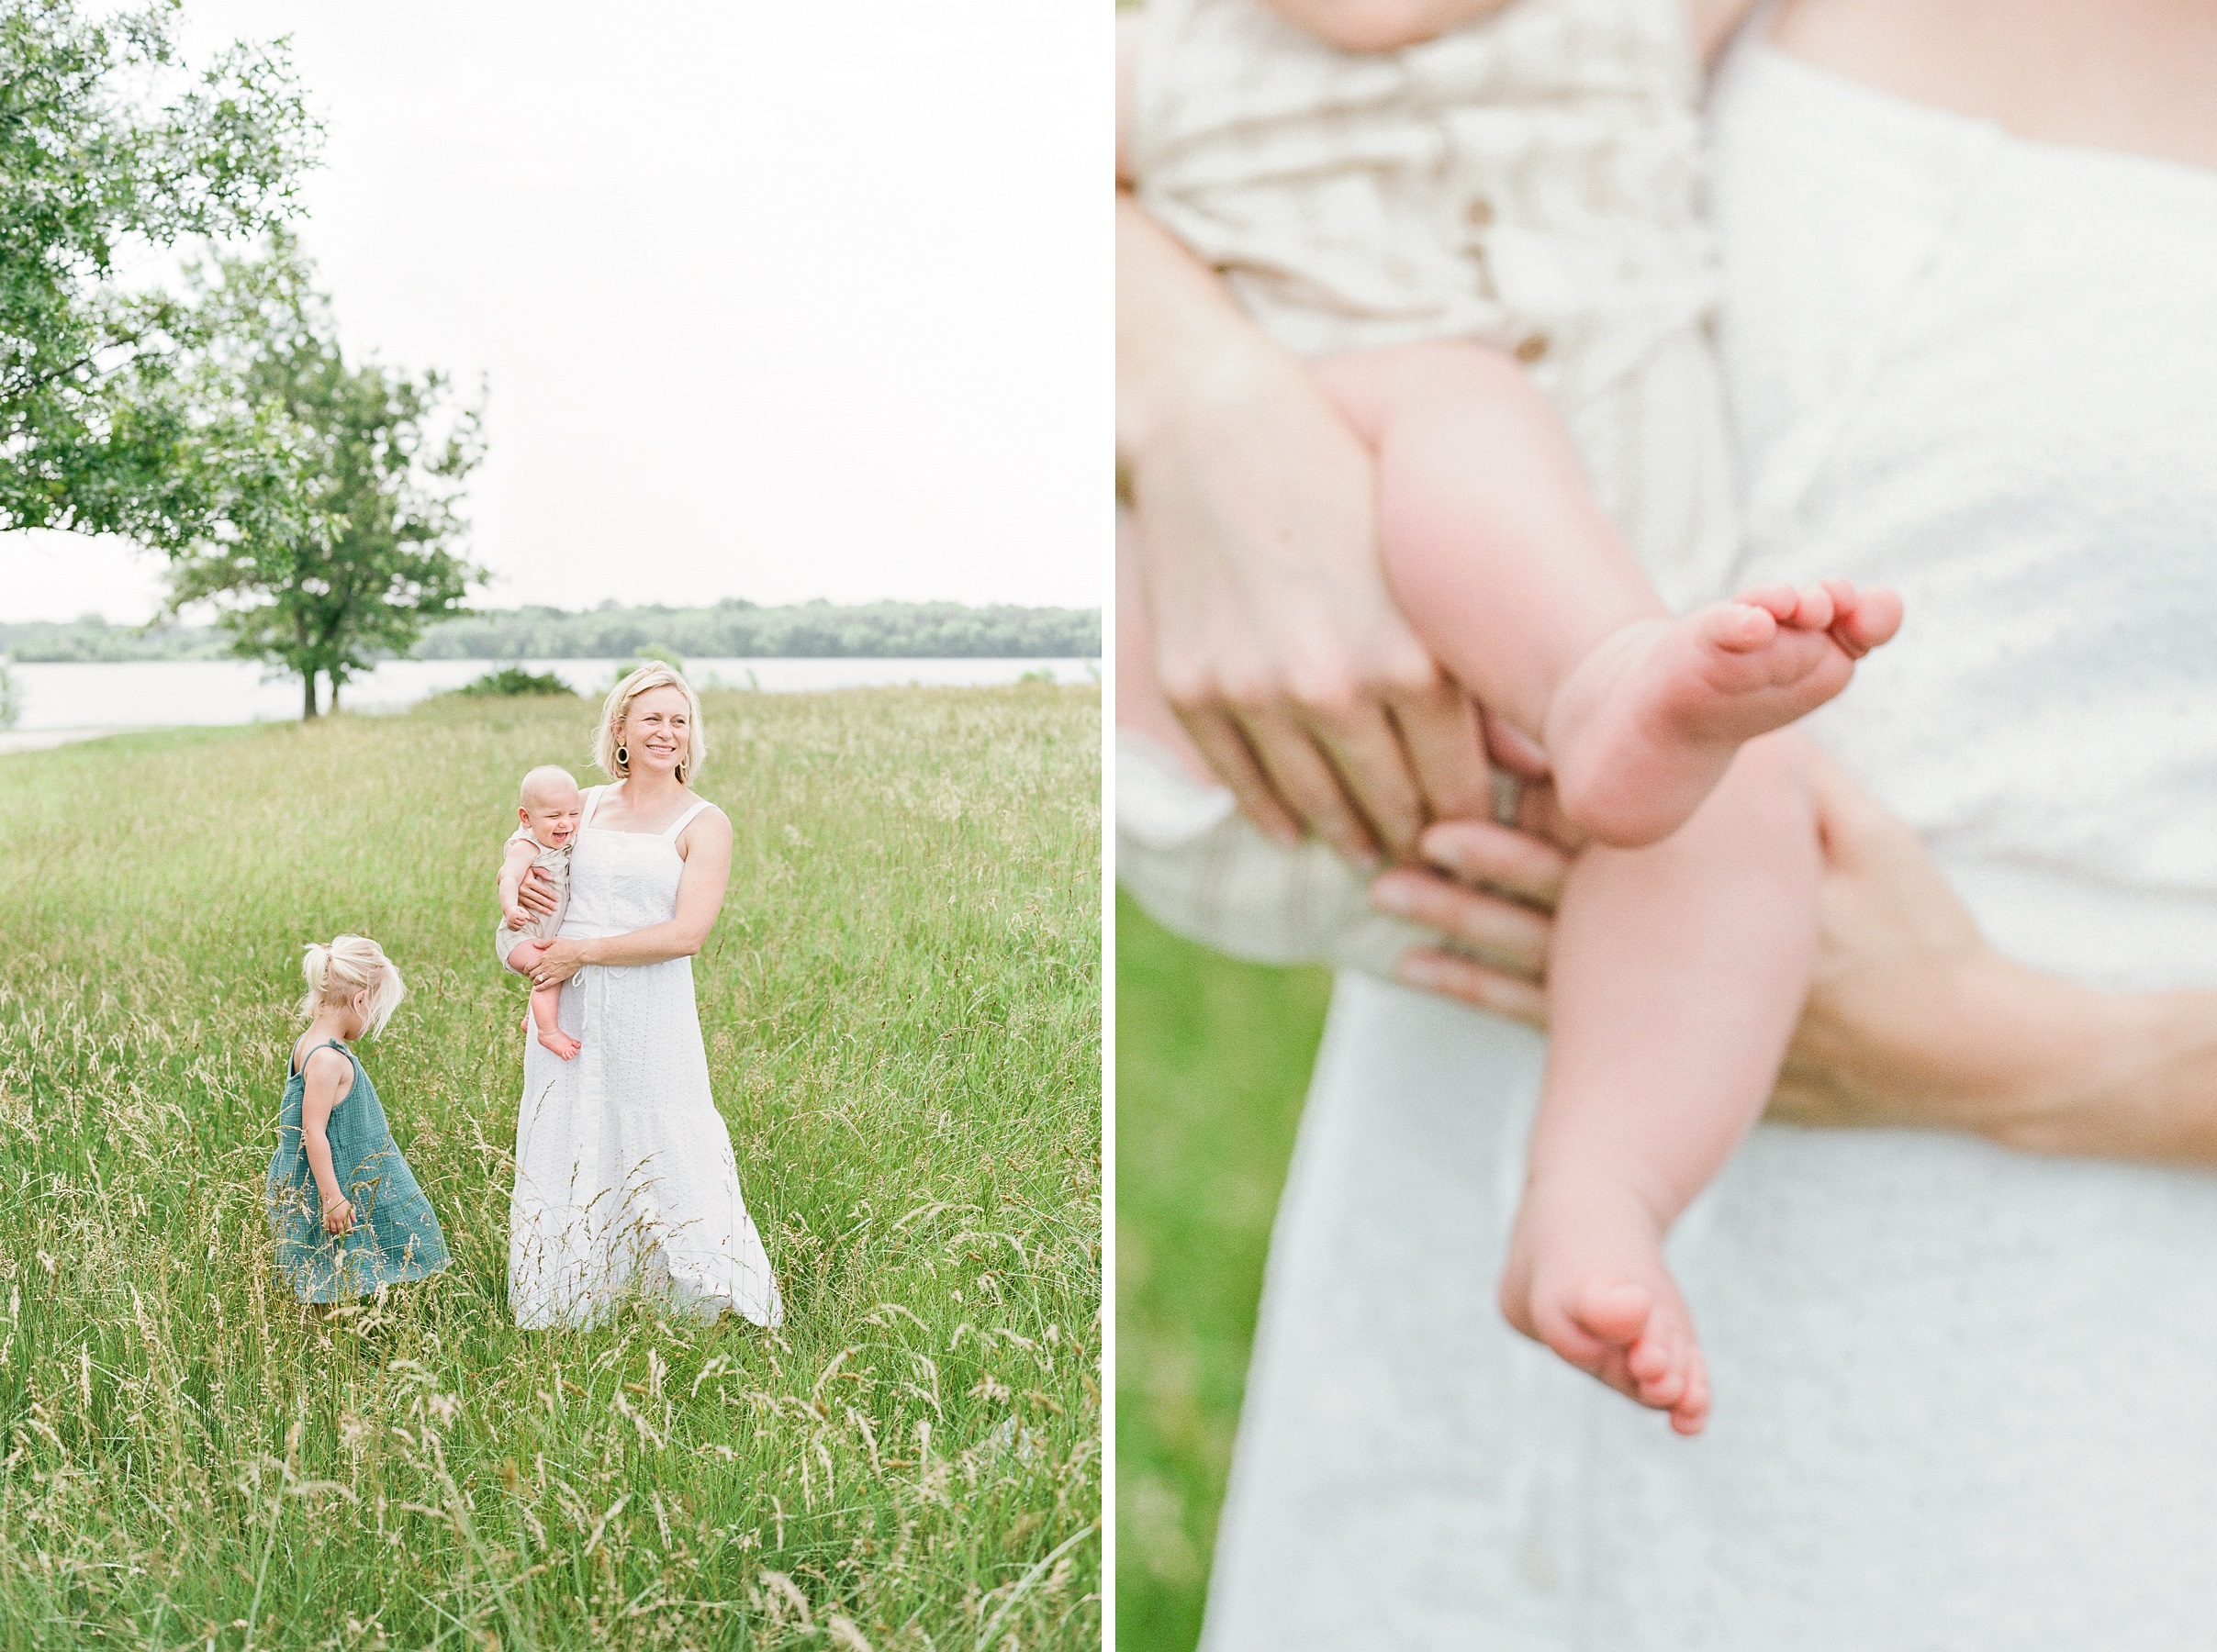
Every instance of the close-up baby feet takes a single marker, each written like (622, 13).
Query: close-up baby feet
(1645, 727)
(1585, 1278)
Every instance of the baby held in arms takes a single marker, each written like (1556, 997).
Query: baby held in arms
(548, 809)
(1516, 332)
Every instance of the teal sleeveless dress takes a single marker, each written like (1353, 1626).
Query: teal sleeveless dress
(394, 1237)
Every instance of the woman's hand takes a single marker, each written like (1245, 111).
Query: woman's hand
(561, 960)
(1275, 638)
(1911, 1018)
(536, 893)
(338, 1217)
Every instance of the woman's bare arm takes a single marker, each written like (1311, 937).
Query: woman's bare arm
(707, 845)
(1913, 1019)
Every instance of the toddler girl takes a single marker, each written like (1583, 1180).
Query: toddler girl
(548, 811)
(1488, 241)
(348, 1214)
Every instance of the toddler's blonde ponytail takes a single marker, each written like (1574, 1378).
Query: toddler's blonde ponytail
(350, 965)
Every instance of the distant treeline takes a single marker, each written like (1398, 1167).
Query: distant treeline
(806, 630)
(730, 629)
(94, 639)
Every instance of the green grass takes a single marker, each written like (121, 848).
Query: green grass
(1212, 1059)
(902, 1006)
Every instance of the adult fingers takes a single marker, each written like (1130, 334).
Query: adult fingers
(1504, 933)
(1514, 750)
(1360, 740)
(1528, 869)
(1441, 732)
(1473, 983)
(1310, 786)
(1221, 741)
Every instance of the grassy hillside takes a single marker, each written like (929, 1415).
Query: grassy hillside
(902, 1005)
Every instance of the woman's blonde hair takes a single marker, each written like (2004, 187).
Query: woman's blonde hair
(607, 740)
(352, 964)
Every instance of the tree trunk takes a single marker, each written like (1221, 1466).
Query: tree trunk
(307, 680)
(333, 706)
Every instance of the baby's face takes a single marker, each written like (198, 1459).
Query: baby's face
(551, 818)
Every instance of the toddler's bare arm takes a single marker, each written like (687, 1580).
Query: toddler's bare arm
(329, 1077)
(515, 865)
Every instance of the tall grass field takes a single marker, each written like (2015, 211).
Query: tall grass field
(1212, 1056)
(901, 1007)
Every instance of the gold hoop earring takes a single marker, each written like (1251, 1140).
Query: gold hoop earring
(623, 758)
(681, 773)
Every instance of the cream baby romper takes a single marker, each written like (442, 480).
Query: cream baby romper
(556, 864)
(1530, 181)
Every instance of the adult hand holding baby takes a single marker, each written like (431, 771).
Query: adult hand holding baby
(537, 894)
(1874, 1045)
(1912, 1020)
(1275, 638)
(561, 960)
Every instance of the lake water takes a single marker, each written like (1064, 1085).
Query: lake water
(168, 693)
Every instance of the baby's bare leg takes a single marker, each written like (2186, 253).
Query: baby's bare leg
(546, 1001)
(1674, 980)
(1506, 567)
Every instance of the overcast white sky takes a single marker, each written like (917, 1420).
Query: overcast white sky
(775, 300)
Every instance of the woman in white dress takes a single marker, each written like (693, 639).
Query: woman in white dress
(625, 1179)
(1963, 1379)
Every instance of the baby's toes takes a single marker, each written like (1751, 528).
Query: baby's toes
(1814, 608)
(1658, 1366)
(1738, 628)
(1780, 601)
(1612, 1312)
(1692, 1409)
(1870, 621)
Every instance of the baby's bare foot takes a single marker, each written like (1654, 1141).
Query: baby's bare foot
(561, 1043)
(1585, 1278)
(1646, 725)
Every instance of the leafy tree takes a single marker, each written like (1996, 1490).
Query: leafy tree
(344, 553)
(112, 150)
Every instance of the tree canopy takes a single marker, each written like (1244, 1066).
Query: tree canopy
(347, 551)
(113, 149)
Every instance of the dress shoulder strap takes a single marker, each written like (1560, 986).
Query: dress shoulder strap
(329, 1043)
(592, 801)
(676, 827)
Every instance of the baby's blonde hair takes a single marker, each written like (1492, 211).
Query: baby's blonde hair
(545, 781)
(608, 739)
(352, 964)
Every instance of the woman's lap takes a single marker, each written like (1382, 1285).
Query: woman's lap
(1955, 1384)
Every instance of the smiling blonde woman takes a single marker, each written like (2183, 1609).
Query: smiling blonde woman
(625, 1178)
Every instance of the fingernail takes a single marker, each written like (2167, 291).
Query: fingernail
(1394, 898)
(1419, 971)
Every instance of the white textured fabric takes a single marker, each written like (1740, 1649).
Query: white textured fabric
(1195, 863)
(625, 1179)
(1529, 181)
(1965, 1397)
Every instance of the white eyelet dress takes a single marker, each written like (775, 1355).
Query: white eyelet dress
(625, 1178)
